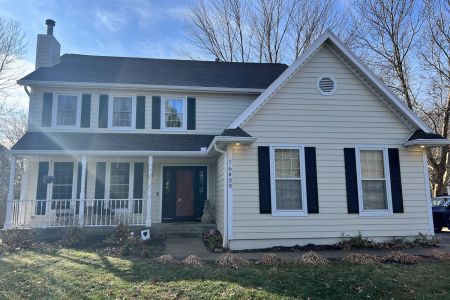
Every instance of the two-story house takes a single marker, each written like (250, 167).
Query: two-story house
(285, 155)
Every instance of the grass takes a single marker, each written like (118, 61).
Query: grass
(73, 274)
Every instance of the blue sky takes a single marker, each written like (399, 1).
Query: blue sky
(142, 28)
(148, 28)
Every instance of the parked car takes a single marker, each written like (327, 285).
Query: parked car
(441, 213)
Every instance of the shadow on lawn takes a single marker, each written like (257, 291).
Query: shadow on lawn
(48, 279)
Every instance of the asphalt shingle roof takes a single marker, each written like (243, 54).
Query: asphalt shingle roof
(112, 141)
(149, 71)
(421, 135)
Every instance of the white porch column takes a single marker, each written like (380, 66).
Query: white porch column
(148, 220)
(82, 191)
(10, 199)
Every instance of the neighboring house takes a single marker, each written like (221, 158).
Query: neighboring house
(4, 178)
(286, 155)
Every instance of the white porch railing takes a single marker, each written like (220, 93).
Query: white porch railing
(66, 213)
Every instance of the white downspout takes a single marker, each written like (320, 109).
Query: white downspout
(225, 191)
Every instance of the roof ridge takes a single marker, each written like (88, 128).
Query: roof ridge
(170, 59)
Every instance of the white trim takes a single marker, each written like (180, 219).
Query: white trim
(148, 220)
(55, 110)
(111, 109)
(427, 142)
(428, 194)
(334, 85)
(163, 113)
(229, 182)
(82, 190)
(289, 72)
(10, 199)
(148, 87)
(288, 213)
(374, 213)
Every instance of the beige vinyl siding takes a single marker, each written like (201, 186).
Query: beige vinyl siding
(159, 162)
(299, 114)
(220, 193)
(214, 112)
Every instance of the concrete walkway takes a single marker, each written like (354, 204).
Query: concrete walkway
(181, 247)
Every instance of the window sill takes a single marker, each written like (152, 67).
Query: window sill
(292, 213)
(383, 213)
(174, 129)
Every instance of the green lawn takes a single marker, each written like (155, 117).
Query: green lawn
(68, 273)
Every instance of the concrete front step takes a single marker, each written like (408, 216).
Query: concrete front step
(181, 229)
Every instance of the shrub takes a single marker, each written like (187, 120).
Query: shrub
(192, 261)
(124, 241)
(423, 240)
(362, 259)
(16, 239)
(270, 259)
(312, 258)
(401, 258)
(231, 260)
(72, 236)
(355, 242)
(213, 240)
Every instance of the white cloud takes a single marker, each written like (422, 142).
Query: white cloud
(112, 21)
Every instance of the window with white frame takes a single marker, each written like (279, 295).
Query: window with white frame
(66, 110)
(174, 113)
(374, 193)
(119, 185)
(122, 111)
(288, 184)
(62, 187)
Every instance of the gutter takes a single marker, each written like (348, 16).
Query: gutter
(139, 86)
(427, 143)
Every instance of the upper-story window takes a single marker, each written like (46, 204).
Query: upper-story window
(174, 113)
(67, 111)
(122, 112)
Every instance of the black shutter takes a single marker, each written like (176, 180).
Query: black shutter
(396, 180)
(191, 113)
(351, 181)
(47, 104)
(265, 205)
(100, 175)
(85, 111)
(311, 180)
(103, 112)
(138, 186)
(140, 112)
(156, 112)
(41, 190)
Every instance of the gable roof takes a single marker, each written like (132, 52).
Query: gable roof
(291, 71)
(88, 69)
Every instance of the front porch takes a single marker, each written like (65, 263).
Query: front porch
(96, 191)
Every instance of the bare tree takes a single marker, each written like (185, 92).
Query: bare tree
(259, 30)
(387, 31)
(434, 54)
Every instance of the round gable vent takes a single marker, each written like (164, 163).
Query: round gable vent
(326, 85)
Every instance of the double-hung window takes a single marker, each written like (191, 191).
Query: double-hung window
(62, 184)
(174, 116)
(122, 112)
(288, 184)
(67, 111)
(119, 186)
(373, 182)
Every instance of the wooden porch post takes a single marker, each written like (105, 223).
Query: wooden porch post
(148, 220)
(10, 199)
(82, 191)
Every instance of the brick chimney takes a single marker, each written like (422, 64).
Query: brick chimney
(48, 48)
